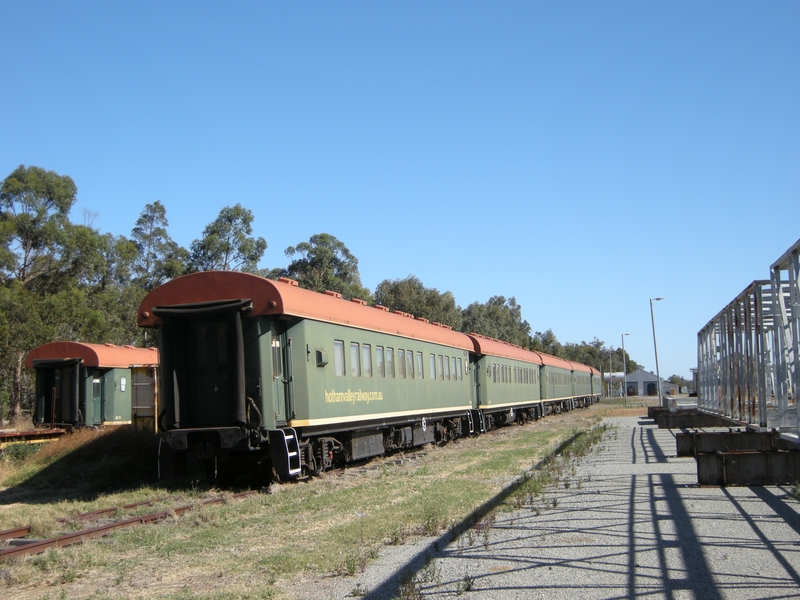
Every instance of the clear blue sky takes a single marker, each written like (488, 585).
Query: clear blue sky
(580, 156)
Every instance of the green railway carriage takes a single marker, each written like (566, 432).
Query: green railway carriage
(81, 384)
(263, 374)
(344, 375)
(506, 381)
(597, 385)
(266, 371)
(582, 384)
(556, 381)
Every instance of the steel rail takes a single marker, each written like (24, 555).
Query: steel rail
(104, 511)
(19, 532)
(78, 536)
(10, 534)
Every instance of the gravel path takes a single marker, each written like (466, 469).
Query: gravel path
(632, 523)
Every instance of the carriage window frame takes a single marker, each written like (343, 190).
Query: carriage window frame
(390, 362)
(355, 360)
(339, 365)
(401, 363)
(420, 366)
(410, 364)
(366, 360)
(380, 369)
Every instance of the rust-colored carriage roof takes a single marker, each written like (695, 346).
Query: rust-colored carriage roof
(486, 345)
(554, 361)
(284, 297)
(93, 355)
(576, 366)
(492, 347)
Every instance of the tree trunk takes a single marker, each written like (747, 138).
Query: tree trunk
(16, 390)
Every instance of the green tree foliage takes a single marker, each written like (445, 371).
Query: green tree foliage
(411, 296)
(546, 341)
(679, 381)
(596, 354)
(60, 281)
(499, 318)
(159, 258)
(227, 243)
(35, 207)
(324, 263)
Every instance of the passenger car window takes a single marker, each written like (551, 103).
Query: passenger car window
(366, 360)
(379, 361)
(355, 364)
(390, 362)
(338, 357)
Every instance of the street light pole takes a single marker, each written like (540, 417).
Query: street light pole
(624, 370)
(655, 346)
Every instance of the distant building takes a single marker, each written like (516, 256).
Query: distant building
(645, 383)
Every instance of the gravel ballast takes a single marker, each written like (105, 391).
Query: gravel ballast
(626, 521)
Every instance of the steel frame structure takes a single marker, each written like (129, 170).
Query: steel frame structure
(785, 275)
(747, 354)
(733, 358)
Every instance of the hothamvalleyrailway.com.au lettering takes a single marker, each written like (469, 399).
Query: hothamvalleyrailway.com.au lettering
(353, 396)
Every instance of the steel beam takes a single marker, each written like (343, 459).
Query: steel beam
(748, 468)
(785, 274)
(692, 443)
(691, 420)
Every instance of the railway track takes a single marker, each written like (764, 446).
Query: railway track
(77, 537)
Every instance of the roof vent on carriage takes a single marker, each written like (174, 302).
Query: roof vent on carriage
(333, 294)
(357, 301)
(289, 281)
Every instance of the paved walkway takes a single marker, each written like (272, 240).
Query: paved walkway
(632, 524)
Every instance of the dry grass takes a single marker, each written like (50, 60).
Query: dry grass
(87, 462)
(263, 545)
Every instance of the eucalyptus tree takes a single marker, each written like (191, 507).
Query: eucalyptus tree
(34, 213)
(546, 341)
(58, 280)
(227, 243)
(325, 263)
(499, 318)
(159, 258)
(411, 296)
